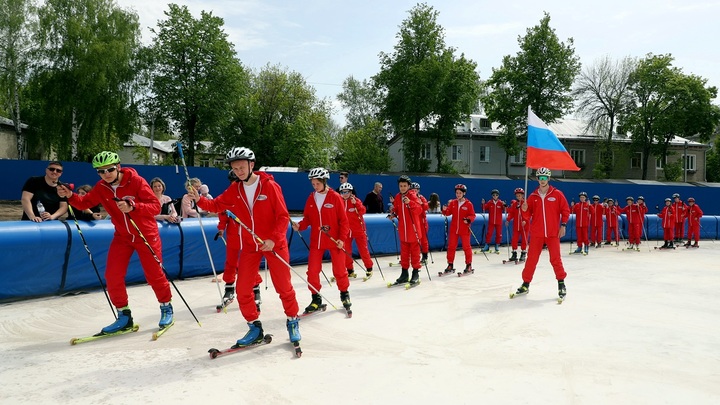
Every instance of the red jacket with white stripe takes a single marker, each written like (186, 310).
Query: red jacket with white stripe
(546, 214)
(460, 213)
(331, 214)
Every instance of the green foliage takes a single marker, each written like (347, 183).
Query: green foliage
(673, 171)
(364, 150)
(712, 165)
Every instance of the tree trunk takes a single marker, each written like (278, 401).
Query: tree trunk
(17, 123)
(75, 136)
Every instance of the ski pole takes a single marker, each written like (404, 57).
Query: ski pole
(326, 230)
(375, 257)
(417, 237)
(446, 233)
(367, 238)
(202, 229)
(571, 231)
(642, 229)
(260, 241)
(157, 259)
(308, 248)
(476, 240)
(87, 249)
(397, 249)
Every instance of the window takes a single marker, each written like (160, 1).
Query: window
(484, 123)
(483, 154)
(204, 163)
(425, 151)
(578, 156)
(660, 163)
(518, 159)
(690, 162)
(456, 153)
(636, 160)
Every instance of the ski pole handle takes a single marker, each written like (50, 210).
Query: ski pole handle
(180, 151)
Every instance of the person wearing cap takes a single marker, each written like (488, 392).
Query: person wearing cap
(358, 231)
(612, 212)
(582, 221)
(519, 226)
(633, 213)
(679, 215)
(596, 222)
(257, 201)
(463, 214)
(424, 243)
(132, 206)
(494, 208)
(407, 208)
(693, 214)
(547, 211)
(668, 224)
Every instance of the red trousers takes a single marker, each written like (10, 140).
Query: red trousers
(362, 246)
(281, 279)
(680, 230)
(498, 234)
(610, 231)
(337, 258)
(634, 233)
(452, 246)
(232, 253)
(121, 249)
(410, 254)
(668, 233)
(693, 232)
(582, 236)
(536, 247)
(596, 233)
(520, 235)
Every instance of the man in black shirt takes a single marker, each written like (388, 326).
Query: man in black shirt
(374, 200)
(40, 194)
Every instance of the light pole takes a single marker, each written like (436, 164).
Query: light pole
(685, 163)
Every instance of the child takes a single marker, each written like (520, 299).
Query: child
(582, 220)
(611, 221)
(596, 222)
(355, 210)
(668, 224)
(520, 227)
(494, 208)
(679, 208)
(463, 213)
(407, 207)
(693, 213)
(634, 215)
(424, 227)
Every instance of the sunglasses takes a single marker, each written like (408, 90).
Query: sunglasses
(345, 192)
(55, 169)
(542, 177)
(108, 170)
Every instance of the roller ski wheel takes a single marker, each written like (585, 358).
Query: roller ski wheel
(466, 273)
(511, 261)
(321, 308)
(367, 277)
(162, 330)
(410, 284)
(298, 350)
(215, 353)
(224, 305)
(445, 273)
(560, 300)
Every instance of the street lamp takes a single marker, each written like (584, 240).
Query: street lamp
(685, 163)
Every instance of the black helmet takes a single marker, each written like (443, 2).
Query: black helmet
(582, 193)
(494, 191)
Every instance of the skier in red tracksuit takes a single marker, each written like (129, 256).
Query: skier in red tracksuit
(679, 208)
(547, 211)
(354, 209)
(596, 222)
(668, 224)
(406, 208)
(258, 203)
(643, 211)
(611, 221)
(520, 227)
(126, 196)
(494, 208)
(634, 216)
(582, 221)
(325, 213)
(693, 214)
(425, 227)
(463, 214)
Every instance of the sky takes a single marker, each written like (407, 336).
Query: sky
(328, 41)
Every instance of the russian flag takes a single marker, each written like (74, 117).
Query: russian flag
(544, 148)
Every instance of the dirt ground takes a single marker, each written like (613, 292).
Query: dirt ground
(10, 210)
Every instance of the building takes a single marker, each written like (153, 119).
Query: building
(476, 152)
(8, 139)
(138, 151)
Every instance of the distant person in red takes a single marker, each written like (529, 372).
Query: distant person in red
(612, 212)
(668, 224)
(643, 211)
(424, 227)
(693, 214)
(354, 209)
(519, 226)
(596, 222)
(679, 208)
(634, 216)
(547, 211)
(582, 222)
(494, 208)
(463, 214)
(406, 208)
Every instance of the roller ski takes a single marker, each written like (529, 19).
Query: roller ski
(228, 297)
(448, 270)
(215, 353)
(468, 271)
(345, 299)
(293, 327)
(124, 324)
(513, 258)
(166, 320)
(688, 245)
(351, 274)
(524, 289)
(667, 246)
(316, 306)
(368, 275)
(561, 292)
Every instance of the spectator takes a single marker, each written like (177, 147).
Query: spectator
(189, 209)
(344, 178)
(167, 209)
(434, 206)
(89, 214)
(374, 200)
(40, 194)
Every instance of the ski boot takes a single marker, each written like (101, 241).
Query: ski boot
(403, 277)
(351, 273)
(561, 290)
(449, 269)
(415, 278)
(523, 255)
(368, 274)
(578, 250)
(608, 243)
(229, 295)
(124, 321)
(258, 299)
(671, 245)
(687, 244)
(293, 327)
(468, 269)
(166, 315)
(695, 244)
(315, 304)
(522, 290)
(424, 258)
(497, 249)
(485, 248)
(254, 335)
(345, 299)
(586, 249)
(513, 257)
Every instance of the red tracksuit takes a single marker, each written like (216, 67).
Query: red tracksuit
(545, 215)
(596, 222)
(266, 214)
(679, 209)
(693, 214)
(668, 222)
(231, 230)
(355, 212)
(126, 239)
(611, 221)
(582, 222)
(330, 214)
(494, 208)
(408, 216)
(458, 228)
(424, 244)
(519, 230)
(634, 216)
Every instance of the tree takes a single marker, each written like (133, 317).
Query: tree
(540, 76)
(197, 78)
(15, 16)
(602, 93)
(80, 89)
(424, 88)
(362, 101)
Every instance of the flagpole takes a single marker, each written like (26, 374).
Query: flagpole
(527, 192)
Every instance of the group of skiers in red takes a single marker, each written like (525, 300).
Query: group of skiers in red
(673, 216)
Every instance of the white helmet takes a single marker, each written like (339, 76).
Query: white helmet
(318, 173)
(345, 186)
(239, 153)
(543, 171)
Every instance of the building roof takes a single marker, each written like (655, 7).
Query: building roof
(163, 146)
